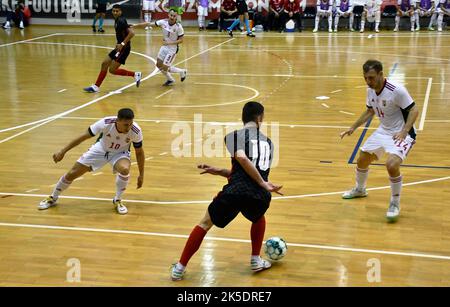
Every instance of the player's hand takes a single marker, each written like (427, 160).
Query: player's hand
(58, 156)
(273, 188)
(207, 169)
(347, 132)
(401, 136)
(119, 47)
(140, 181)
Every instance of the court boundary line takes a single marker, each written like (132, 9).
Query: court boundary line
(212, 238)
(28, 40)
(425, 104)
(209, 201)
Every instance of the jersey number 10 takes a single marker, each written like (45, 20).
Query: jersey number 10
(264, 154)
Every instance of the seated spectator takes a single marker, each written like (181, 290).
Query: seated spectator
(20, 16)
(405, 8)
(228, 10)
(291, 11)
(372, 13)
(443, 9)
(324, 8)
(425, 8)
(276, 8)
(343, 9)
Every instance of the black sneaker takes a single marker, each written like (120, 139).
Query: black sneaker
(230, 33)
(93, 29)
(101, 30)
(168, 83)
(250, 34)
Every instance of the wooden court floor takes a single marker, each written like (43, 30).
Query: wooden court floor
(312, 88)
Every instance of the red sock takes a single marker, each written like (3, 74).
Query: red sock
(192, 244)
(123, 72)
(101, 77)
(257, 235)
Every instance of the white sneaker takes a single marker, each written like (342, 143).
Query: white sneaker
(393, 212)
(175, 273)
(377, 31)
(354, 193)
(412, 29)
(335, 30)
(47, 203)
(120, 208)
(137, 78)
(259, 265)
(315, 30)
(330, 30)
(91, 89)
(395, 29)
(21, 26)
(417, 29)
(361, 31)
(148, 28)
(183, 75)
(430, 28)
(439, 29)
(7, 25)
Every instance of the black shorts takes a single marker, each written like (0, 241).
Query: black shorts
(242, 8)
(122, 56)
(225, 207)
(101, 8)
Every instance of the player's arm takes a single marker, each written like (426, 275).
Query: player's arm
(251, 170)
(368, 114)
(413, 113)
(140, 158)
(75, 142)
(141, 25)
(207, 169)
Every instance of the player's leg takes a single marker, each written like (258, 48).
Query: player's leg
(397, 21)
(377, 20)
(233, 25)
(122, 168)
(362, 173)
(120, 59)
(63, 183)
(417, 13)
(396, 180)
(440, 20)
(192, 245)
(432, 21)
(336, 21)
(94, 21)
(101, 76)
(330, 21)
(247, 25)
(412, 19)
(350, 22)
(316, 22)
(100, 23)
(363, 20)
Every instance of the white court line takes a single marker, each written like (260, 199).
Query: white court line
(170, 235)
(348, 113)
(293, 76)
(336, 91)
(218, 123)
(97, 174)
(149, 158)
(256, 94)
(29, 40)
(438, 121)
(155, 71)
(163, 153)
(63, 90)
(166, 92)
(425, 104)
(325, 105)
(32, 190)
(209, 201)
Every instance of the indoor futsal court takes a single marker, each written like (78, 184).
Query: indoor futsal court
(312, 88)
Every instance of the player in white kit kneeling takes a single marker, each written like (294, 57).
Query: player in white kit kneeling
(116, 133)
(397, 112)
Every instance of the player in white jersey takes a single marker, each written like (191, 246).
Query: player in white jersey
(173, 34)
(324, 9)
(148, 7)
(116, 133)
(396, 135)
(372, 13)
(442, 9)
(344, 9)
(405, 8)
(425, 8)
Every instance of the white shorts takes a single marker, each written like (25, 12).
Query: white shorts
(148, 5)
(323, 14)
(96, 157)
(425, 13)
(166, 55)
(379, 143)
(202, 11)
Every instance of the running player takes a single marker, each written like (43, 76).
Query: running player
(242, 9)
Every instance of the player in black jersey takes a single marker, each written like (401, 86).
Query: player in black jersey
(248, 190)
(118, 55)
(242, 9)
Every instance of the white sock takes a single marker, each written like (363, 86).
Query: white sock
(146, 17)
(377, 24)
(336, 22)
(330, 21)
(433, 20)
(180, 267)
(351, 21)
(167, 74)
(175, 69)
(363, 23)
(397, 21)
(121, 185)
(361, 178)
(62, 185)
(317, 22)
(439, 20)
(256, 258)
(396, 188)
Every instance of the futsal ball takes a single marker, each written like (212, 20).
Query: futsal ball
(275, 248)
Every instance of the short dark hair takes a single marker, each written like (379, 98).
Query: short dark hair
(117, 6)
(251, 111)
(372, 64)
(125, 114)
(172, 10)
